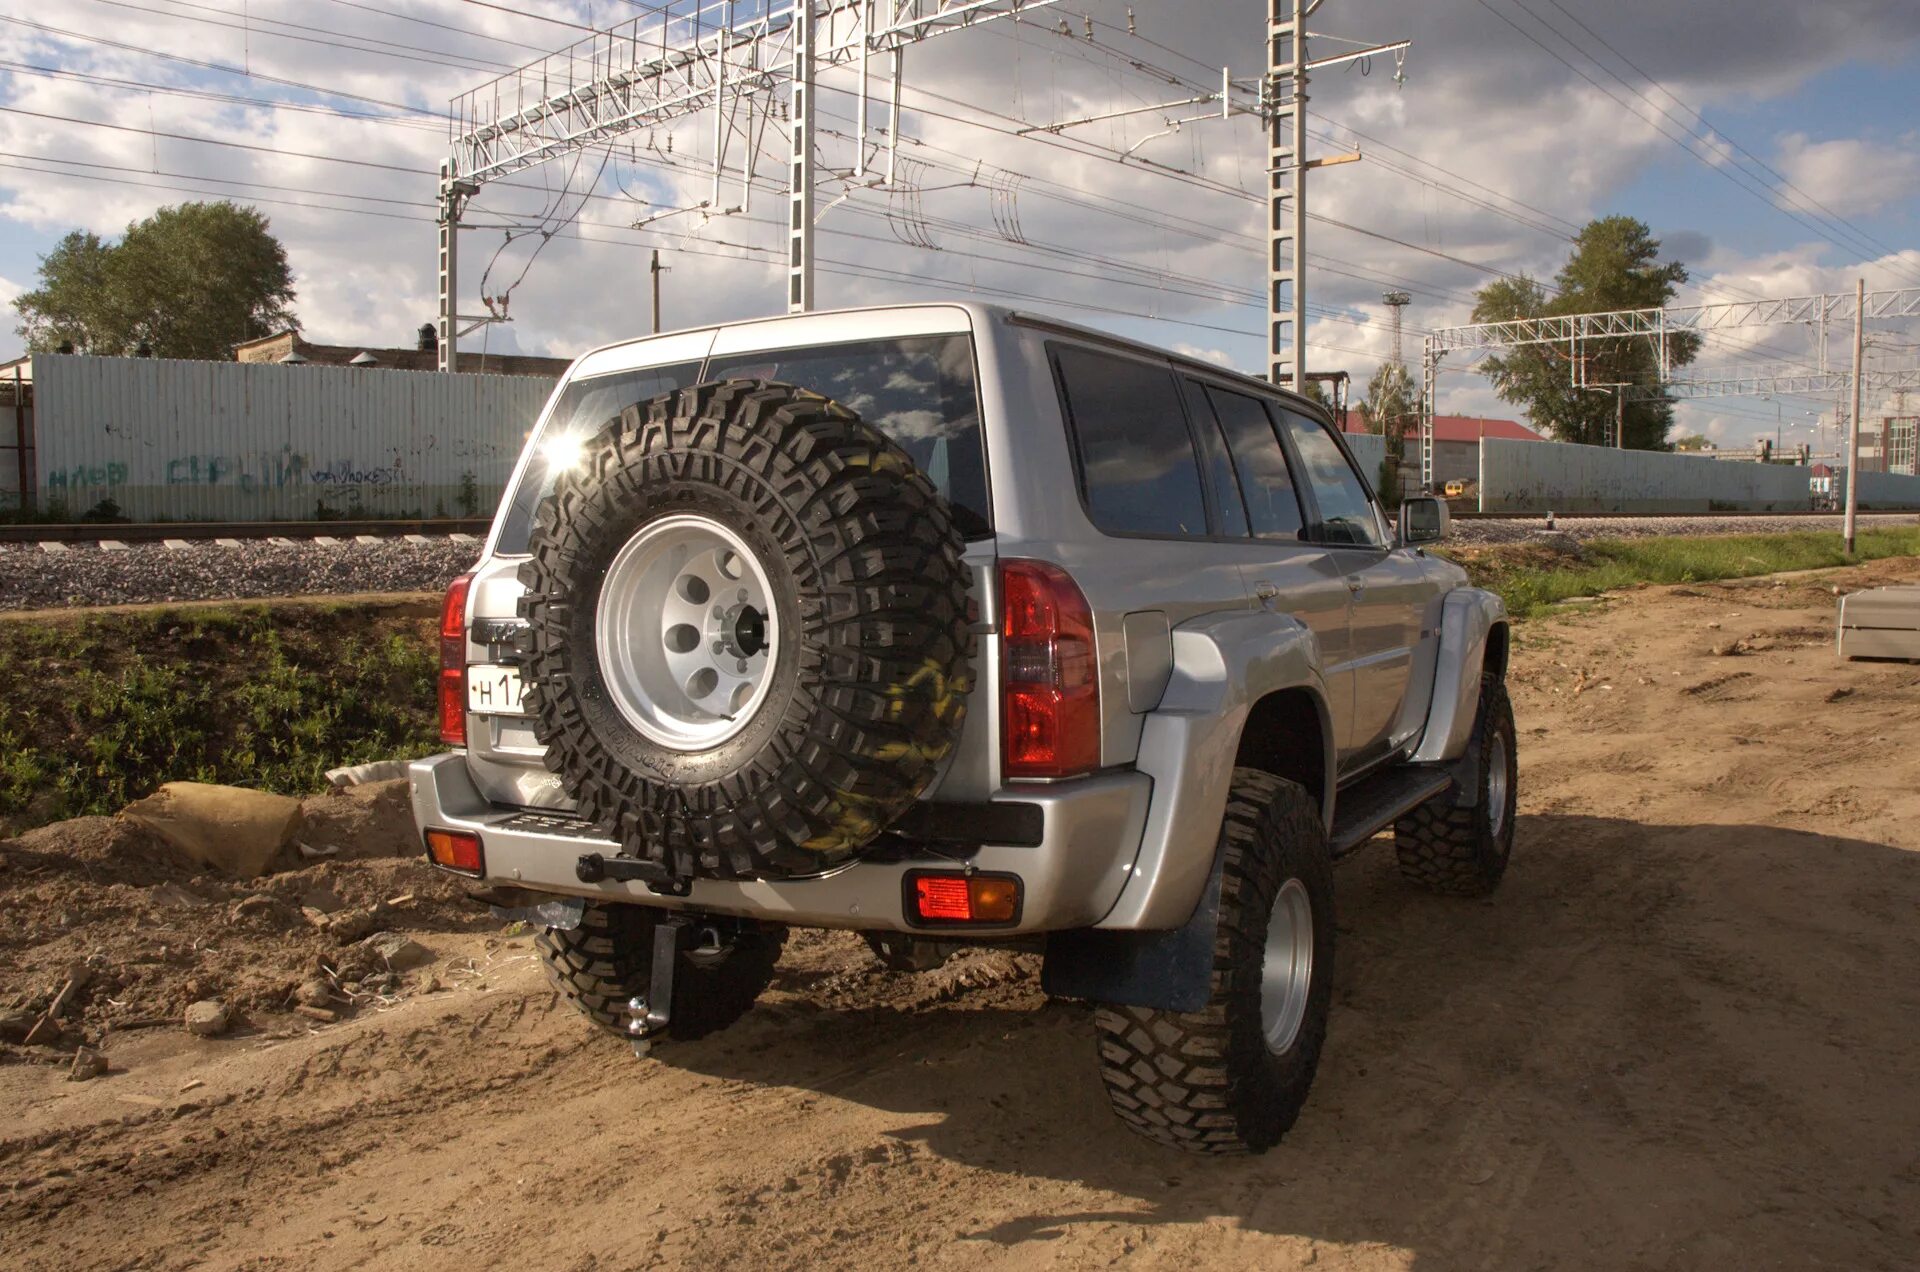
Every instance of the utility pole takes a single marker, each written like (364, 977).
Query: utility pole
(1287, 166)
(1853, 425)
(800, 164)
(656, 269)
(1396, 301)
(1620, 418)
(1287, 194)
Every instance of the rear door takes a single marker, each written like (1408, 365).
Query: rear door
(1389, 589)
(1282, 572)
(1143, 487)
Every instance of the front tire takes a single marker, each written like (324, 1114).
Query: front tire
(608, 960)
(1233, 1076)
(1463, 852)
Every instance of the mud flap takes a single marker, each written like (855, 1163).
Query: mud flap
(560, 912)
(1167, 971)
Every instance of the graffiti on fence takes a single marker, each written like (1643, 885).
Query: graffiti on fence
(80, 476)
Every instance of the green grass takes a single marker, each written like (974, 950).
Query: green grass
(1529, 578)
(100, 710)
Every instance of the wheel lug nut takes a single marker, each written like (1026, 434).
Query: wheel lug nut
(719, 611)
(719, 647)
(743, 664)
(743, 593)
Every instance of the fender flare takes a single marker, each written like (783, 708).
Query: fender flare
(1154, 948)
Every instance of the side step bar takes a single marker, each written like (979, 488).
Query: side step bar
(1363, 810)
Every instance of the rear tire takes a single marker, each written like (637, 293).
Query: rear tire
(1233, 1076)
(608, 959)
(1463, 852)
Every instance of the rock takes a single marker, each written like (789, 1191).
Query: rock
(173, 896)
(87, 1063)
(263, 910)
(324, 1015)
(398, 951)
(14, 1024)
(359, 774)
(207, 1018)
(352, 925)
(313, 993)
(227, 827)
(323, 898)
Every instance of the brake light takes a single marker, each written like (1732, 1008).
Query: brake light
(1050, 692)
(457, 850)
(962, 898)
(453, 663)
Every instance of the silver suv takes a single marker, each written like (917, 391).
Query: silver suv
(953, 625)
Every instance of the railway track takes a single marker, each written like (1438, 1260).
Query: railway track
(222, 532)
(420, 530)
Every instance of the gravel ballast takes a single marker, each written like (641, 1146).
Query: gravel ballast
(148, 573)
(145, 573)
(1475, 532)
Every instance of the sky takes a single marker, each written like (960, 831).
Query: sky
(1772, 147)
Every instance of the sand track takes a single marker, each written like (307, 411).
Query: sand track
(1686, 1033)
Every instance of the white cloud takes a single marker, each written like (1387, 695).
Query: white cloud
(1848, 176)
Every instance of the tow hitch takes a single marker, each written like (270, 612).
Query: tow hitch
(648, 1015)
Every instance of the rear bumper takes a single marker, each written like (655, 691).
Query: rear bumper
(1070, 879)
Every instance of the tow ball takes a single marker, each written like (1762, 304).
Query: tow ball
(675, 936)
(649, 1014)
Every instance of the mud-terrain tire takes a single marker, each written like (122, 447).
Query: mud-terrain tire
(1463, 852)
(864, 648)
(608, 960)
(1210, 1081)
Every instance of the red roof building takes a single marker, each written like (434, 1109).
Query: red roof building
(1456, 428)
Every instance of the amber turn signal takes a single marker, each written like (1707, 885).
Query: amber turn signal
(457, 850)
(938, 899)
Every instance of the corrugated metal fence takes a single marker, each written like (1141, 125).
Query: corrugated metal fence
(248, 441)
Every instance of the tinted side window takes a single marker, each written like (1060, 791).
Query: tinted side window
(584, 408)
(1346, 511)
(1227, 504)
(1272, 505)
(1137, 464)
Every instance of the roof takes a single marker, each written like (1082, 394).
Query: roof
(1458, 428)
(276, 347)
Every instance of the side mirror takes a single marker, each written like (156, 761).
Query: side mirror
(1423, 519)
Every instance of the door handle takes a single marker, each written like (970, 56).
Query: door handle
(1356, 584)
(1265, 591)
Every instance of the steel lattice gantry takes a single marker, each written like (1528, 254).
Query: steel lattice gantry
(675, 60)
(1575, 331)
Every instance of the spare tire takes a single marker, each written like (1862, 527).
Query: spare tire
(750, 647)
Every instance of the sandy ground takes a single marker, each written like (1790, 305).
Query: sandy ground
(1686, 1033)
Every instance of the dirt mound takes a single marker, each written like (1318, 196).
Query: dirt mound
(100, 902)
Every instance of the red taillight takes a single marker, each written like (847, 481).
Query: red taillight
(962, 898)
(456, 850)
(453, 663)
(1050, 689)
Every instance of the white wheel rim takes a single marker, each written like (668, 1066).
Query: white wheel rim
(1499, 781)
(686, 632)
(1286, 973)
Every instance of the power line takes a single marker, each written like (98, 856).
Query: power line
(1721, 133)
(405, 52)
(1728, 173)
(216, 66)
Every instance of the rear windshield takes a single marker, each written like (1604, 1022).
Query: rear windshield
(919, 391)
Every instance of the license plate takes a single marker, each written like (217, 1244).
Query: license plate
(496, 691)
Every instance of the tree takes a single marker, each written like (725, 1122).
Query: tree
(188, 282)
(1390, 408)
(1615, 264)
(1691, 442)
